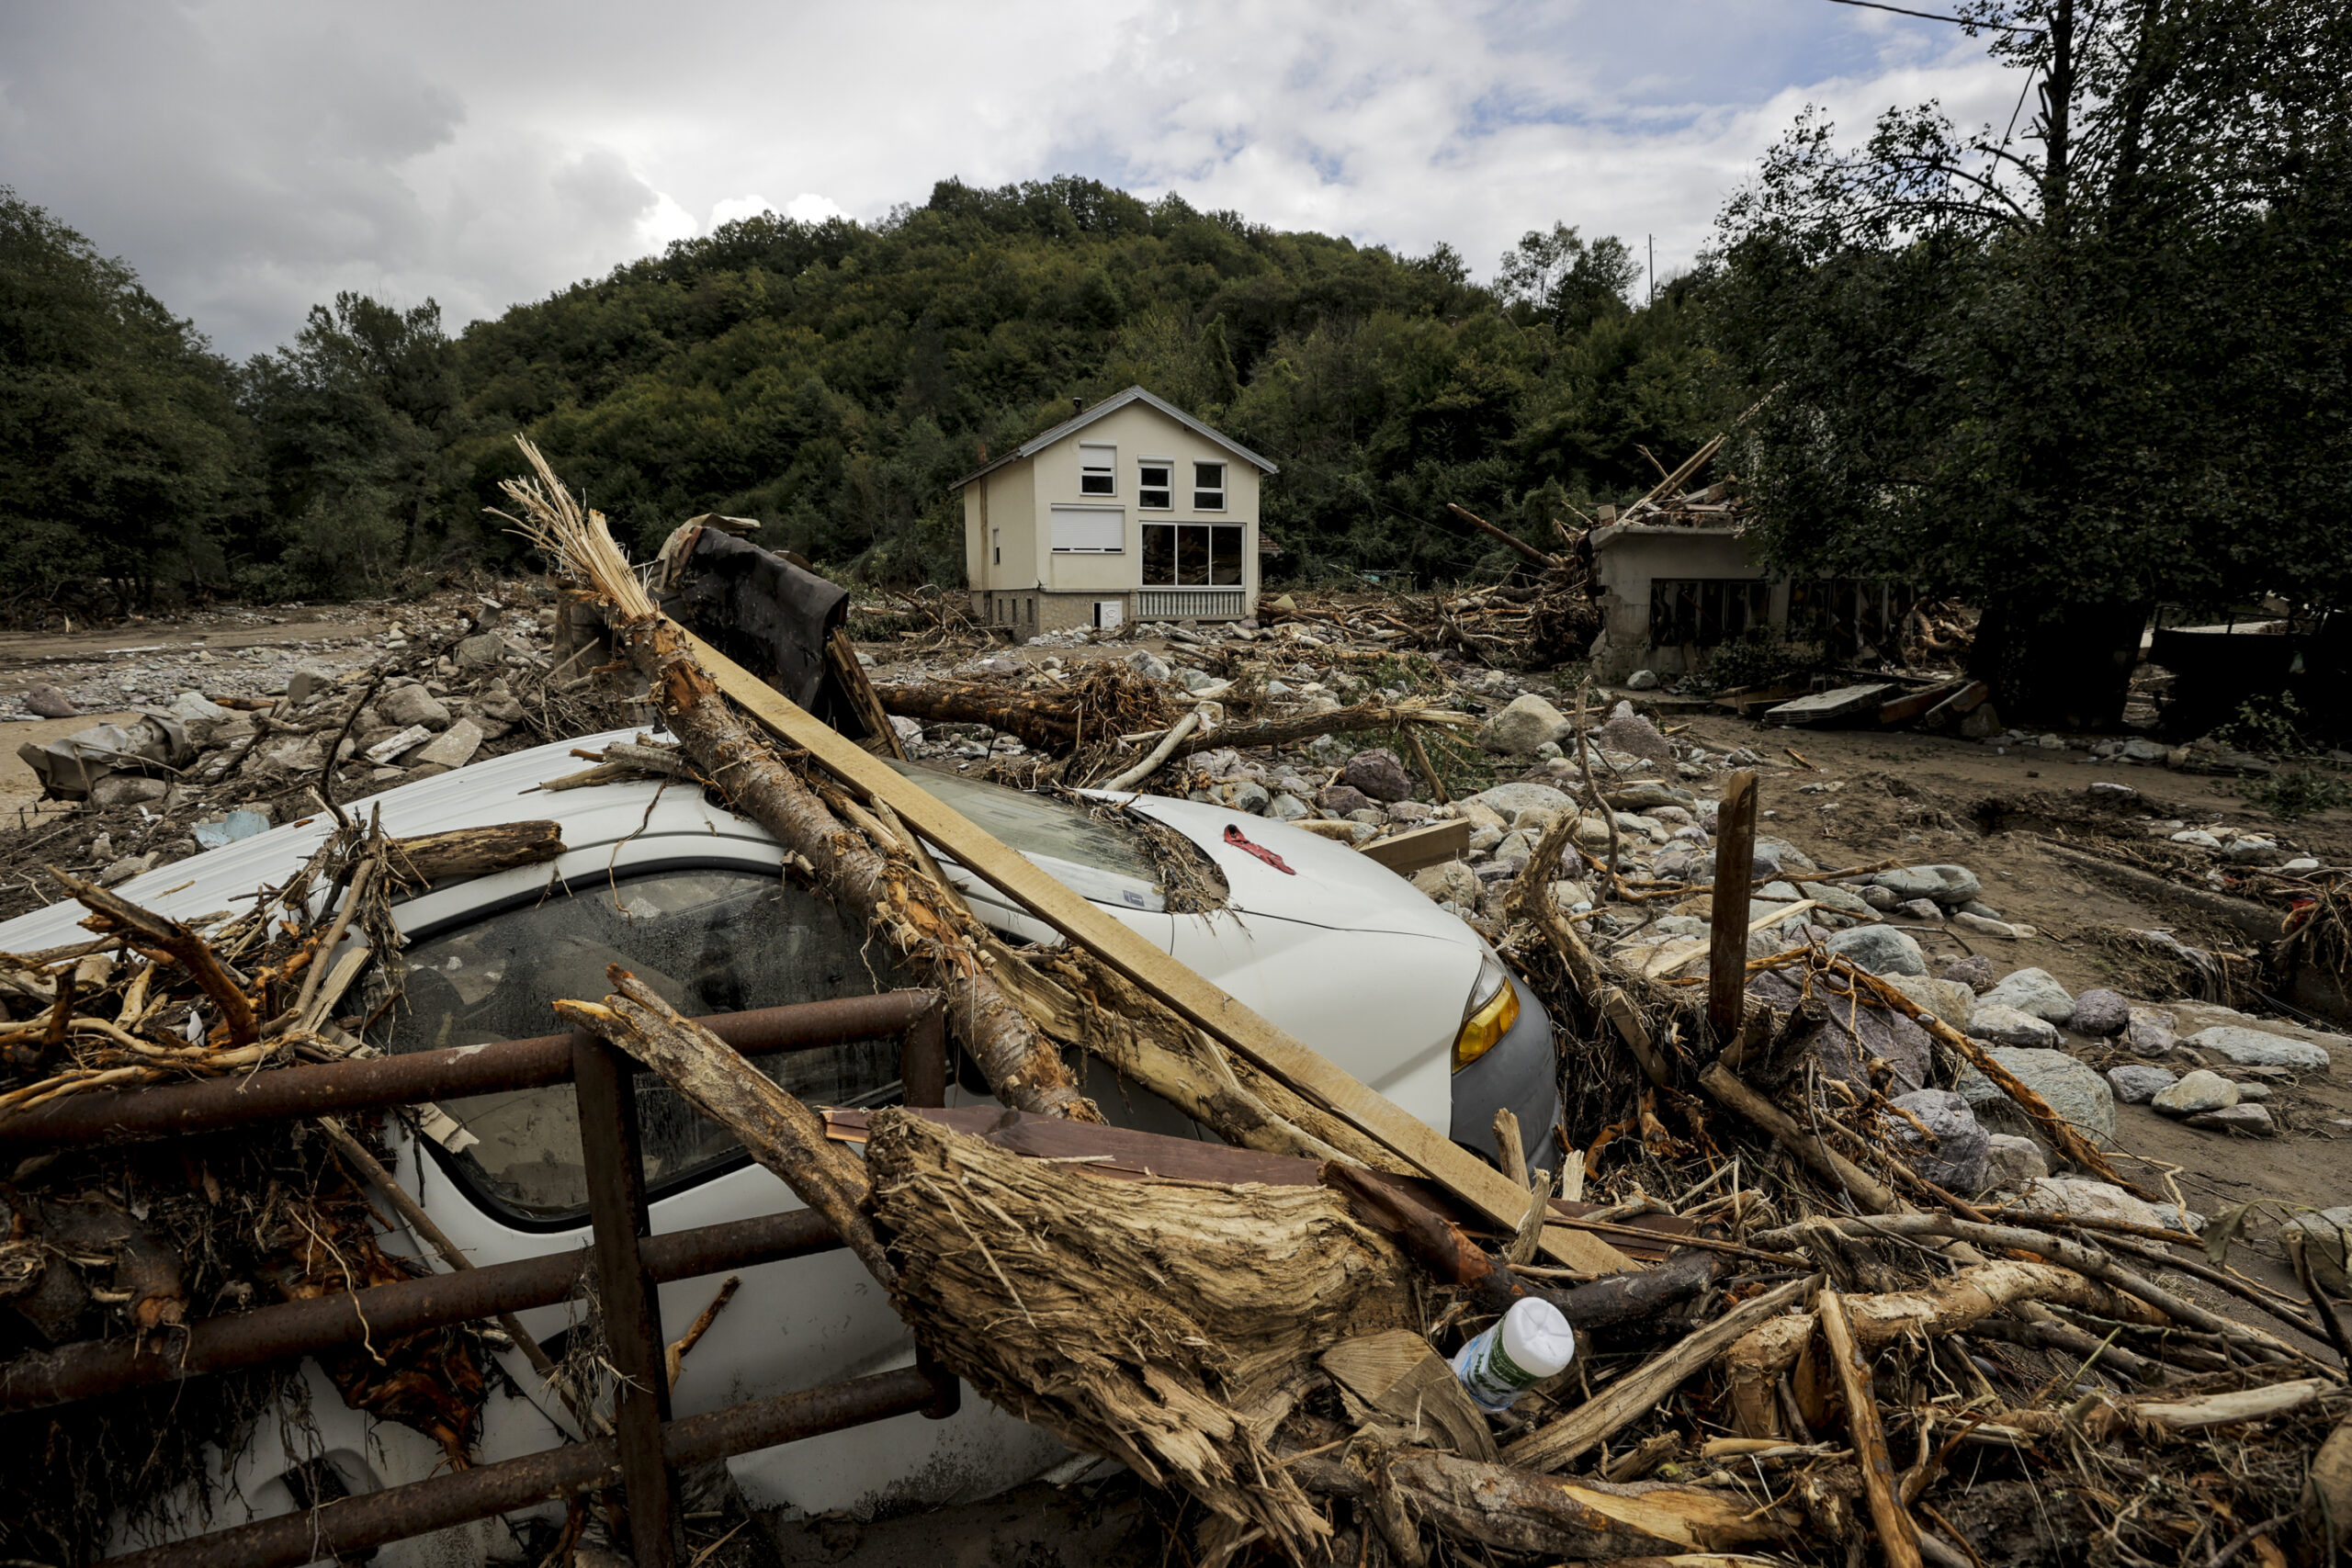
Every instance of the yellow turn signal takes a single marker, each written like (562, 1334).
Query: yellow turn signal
(1483, 1028)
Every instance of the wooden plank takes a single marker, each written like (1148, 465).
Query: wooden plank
(1218, 1015)
(1434, 845)
(1911, 704)
(1958, 705)
(1727, 938)
(1828, 707)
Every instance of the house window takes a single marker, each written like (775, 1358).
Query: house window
(1156, 484)
(1191, 555)
(1089, 530)
(1705, 612)
(996, 543)
(1098, 470)
(1208, 487)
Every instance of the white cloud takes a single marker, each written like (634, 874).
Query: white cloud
(251, 157)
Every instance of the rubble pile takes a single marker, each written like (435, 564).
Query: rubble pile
(477, 677)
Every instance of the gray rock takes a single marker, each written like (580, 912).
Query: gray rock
(1844, 1043)
(2245, 1120)
(1953, 1004)
(1569, 894)
(2179, 1219)
(307, 682)
(2033, 991)
(1925, 911)
(1516, 845)
(1980, 908)
(2069, 1088)
(2013, 1161)
(483, 651)
(1509, 799)
(1777, 892)
(2007, 1026)
(50, 703)
(1877, 897)
(1378, 773)
(126, 868)
(1290, 808)
(126, 789)
(1149, 665)
(1340, 799)
(1984, 925)
(1828, 895)
(2136, 1083)
(1629, 732)
(1975, 972)
(2248, 1091)
(2258, 1048)
(1782, 854)
(453, 748)
(1946, 884)
(1879, 950)
(2102, 1014)
(1528, 723)
(2197, 1092)
(1642, 681)
(1484, 838)
(1646, 795)
(2327, 1238)
(1452, 883)
(1956, 1159)
(1411, 810)
(2090, 1200)
(406, 706)
(1242, 794)
(1480, 816)
(2149, 1031)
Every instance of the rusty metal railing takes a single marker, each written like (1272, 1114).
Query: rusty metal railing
(647, 1446)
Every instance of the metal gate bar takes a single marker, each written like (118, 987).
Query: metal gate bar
(628, 1262)
(379, 1083)
(348, 1527)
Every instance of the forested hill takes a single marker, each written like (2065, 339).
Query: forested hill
(836, 379)
(833, 379)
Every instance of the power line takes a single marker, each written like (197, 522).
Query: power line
(1934, 17)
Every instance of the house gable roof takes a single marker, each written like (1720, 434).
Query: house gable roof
(1110, 405)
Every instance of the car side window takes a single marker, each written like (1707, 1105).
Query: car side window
(709, 940)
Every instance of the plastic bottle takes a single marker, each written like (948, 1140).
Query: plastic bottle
(1531, 1342)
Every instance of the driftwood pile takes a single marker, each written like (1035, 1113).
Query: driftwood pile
(1814, 1350)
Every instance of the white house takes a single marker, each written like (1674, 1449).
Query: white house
(1131, 510)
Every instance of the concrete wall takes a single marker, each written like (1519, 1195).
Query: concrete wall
(1030, 490)
(1628, 558)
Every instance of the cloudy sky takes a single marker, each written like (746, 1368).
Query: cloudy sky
(251, 157)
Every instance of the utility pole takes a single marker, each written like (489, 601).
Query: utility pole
(1653, 269)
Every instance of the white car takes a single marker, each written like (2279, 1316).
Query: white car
(1336, 949)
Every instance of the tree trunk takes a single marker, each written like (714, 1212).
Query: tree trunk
(918, 917)
(2067, 665)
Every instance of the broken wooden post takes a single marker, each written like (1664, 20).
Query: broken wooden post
(1727, 949)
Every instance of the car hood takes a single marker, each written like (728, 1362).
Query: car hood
(1328, 883)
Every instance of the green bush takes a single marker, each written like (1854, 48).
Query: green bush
(2298, 792)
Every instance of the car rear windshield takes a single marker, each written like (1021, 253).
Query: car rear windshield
(709, 940)
(1037, 824)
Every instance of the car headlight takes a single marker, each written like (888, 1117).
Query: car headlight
(1494, 1008)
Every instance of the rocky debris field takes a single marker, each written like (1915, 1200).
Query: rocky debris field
(202, 748)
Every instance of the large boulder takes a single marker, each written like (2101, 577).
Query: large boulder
(1339, 799)
(1453, 882)
(2033, 991)
(1629, 732)
(1378, 773)
(1975, 971)
(2007, 1026)
(1646, 795)
(2088, 1198)
(2136, 1083)
(2013, 1161)
(1528, 723)
(2101, 1014)
(2077, 1094)
(411, 704)
(1953, 1004)
(1845, 1040)
(1946, 884)
(2258, 1048)
(1955, 1158)
(1507, 800)
(2195, 1093)
(1882, 950)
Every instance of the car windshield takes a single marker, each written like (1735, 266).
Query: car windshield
(709, 940)
(1052, 829)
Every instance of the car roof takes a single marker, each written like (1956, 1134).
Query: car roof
(1333, 886)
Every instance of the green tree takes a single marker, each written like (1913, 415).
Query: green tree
(122, 457)
(1560, 279)
(2071, 372)
(357, 420)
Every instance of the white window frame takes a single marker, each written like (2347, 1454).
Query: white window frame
(1198, 490)
(1117, 517)
(1169, 488)
(1107, 470)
